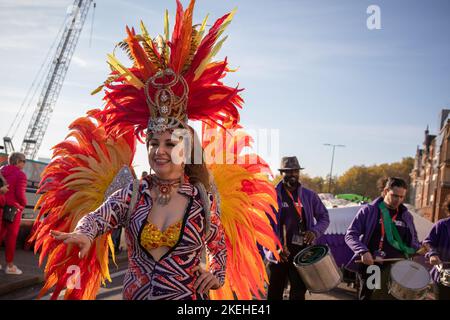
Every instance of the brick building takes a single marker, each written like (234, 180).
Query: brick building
(430, 177)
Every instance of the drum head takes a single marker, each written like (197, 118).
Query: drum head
(311, 255)
(410, 274)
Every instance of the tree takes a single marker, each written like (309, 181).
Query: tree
(363, 180)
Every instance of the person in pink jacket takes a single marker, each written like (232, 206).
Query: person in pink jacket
(15, 196)
(3, 190)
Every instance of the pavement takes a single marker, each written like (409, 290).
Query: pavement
(28, 263)
(32, 275)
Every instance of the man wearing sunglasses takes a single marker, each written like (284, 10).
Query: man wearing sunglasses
(381, 230)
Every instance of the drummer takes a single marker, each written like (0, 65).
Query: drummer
(296, 229)
(383, 229)
(438, 244)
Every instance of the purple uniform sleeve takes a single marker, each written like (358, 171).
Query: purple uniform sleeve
(432, 240)
(355, 230)
(321, 215)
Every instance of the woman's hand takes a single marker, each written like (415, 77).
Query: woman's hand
(206, 281)
(82, 241)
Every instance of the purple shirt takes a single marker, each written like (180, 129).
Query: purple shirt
(312, 208)
(439, 241)
(314, 212)
(363, 225)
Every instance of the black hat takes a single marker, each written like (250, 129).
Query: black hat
(290, 163)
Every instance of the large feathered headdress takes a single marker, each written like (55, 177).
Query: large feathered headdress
(171, 79)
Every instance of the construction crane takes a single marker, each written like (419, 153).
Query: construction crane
(54, 80)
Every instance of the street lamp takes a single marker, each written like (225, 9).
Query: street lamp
(332, 162)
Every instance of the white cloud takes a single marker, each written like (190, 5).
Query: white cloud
(79, 62)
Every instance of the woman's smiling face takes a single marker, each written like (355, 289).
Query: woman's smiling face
(165, 155)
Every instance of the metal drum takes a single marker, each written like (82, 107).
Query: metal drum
(409, 281)
(317, 268)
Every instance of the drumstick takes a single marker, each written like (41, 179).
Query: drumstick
(285, 247)
(383, 260)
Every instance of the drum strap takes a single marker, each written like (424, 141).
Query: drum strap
(297, 205)
(383, 232)
(392, 234)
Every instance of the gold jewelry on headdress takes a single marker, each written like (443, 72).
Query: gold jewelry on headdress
(167, 109)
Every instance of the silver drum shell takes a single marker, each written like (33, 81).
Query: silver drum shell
(402, 291)
(320, 276)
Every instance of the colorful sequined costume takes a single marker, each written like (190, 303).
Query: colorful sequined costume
(76, 185)
(170, 277)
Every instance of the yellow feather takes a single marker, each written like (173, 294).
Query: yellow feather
(201, 31)
(198, 72)
(129, 76)
(166, 36)
(144, 30)
(226, 22)
(111, 248)
(207, 60)
(77, 182)
(102, 156)
(166, 25)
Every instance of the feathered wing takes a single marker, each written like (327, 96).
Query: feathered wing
(74, 184)
(246, 195)
(189, 52)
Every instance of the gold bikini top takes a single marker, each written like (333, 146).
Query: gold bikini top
(152, 237)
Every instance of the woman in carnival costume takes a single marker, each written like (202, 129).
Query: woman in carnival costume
(192, 227)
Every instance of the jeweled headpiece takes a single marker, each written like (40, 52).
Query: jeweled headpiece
(167, 110)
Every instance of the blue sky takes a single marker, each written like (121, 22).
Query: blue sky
(311, 69)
